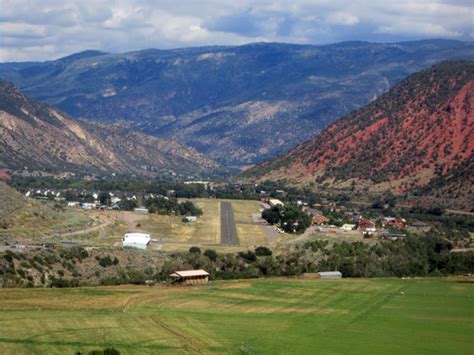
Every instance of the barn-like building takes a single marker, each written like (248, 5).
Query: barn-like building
(190, 277)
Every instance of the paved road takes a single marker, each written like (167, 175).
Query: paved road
(228, 229)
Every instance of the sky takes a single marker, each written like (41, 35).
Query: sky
(49, 29)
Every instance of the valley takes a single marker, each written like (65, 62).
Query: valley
(252, 198)
(238, 105)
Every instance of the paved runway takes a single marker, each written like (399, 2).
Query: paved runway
(228, 229)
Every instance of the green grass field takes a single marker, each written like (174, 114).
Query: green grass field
(378, 316)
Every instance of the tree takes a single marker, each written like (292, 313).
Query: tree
(194, 250)
(271, 215)
(263, 251)
(211, 254)
(104, 198)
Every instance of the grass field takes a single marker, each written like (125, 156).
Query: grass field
(249, 234)
(206, 231)
(170, 229)
(378, 316)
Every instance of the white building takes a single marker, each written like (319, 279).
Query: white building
(136, 240)
(330, 274)
(191, 218)
(275, 202)
(141, 210)
(348, 227)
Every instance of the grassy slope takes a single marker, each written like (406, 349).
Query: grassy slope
(39, 222)
(393, 316)
(10, 200)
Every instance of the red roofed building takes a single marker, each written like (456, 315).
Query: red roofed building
(366, 225)
(399, 223)
(319, 219)
(4, 175)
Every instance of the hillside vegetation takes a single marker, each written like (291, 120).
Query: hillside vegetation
(10, 201)
(41, 138)
(237, 104)
(420, 133)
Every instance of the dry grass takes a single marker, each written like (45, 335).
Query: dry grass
(250, 234)
(170, 229)
(41, 221)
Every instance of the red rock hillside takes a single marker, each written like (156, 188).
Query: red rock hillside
(419, 134)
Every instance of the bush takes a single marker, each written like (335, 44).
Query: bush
(106, 261)
(263, 251)
(195, 250)
(211, 254)
(248, 255)
(106, 351)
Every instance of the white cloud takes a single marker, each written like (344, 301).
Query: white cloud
(47, 29)
(11, 29)
(341, 18)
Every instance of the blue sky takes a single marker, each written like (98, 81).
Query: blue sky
(48, 29)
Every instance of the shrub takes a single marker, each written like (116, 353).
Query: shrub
(263, 251)
(105, 261)
(211, 254)
(195, 250)
(248, 255)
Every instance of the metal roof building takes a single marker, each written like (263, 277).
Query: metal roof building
(330, 275)
(136, 240)
(191, 277)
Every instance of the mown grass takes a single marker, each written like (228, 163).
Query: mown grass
(389, 316)
(248, 234)
(170, 229)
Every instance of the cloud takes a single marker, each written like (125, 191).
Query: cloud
(48, 29)
(341, 18)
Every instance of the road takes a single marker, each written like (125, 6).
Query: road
(228, 229)
(303, 237)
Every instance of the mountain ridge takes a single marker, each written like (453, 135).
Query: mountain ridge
(40, 137)
(417, 136)
(209, 97)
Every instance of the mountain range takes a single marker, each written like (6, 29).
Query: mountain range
(237, 105)
(417, 137)
(38, 137)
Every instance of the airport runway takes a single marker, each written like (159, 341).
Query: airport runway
(228, 229)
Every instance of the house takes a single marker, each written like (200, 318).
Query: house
(330, 275)
(191, 218)
(115, 200)
(348, 227)
(366, 225)
(207, 184)
(398, 223)
(140, 210)
(275, 202)
(136, 240)
(190, 277)
(319, 219)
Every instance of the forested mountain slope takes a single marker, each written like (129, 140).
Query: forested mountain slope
(419, 134)
(237, 104)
